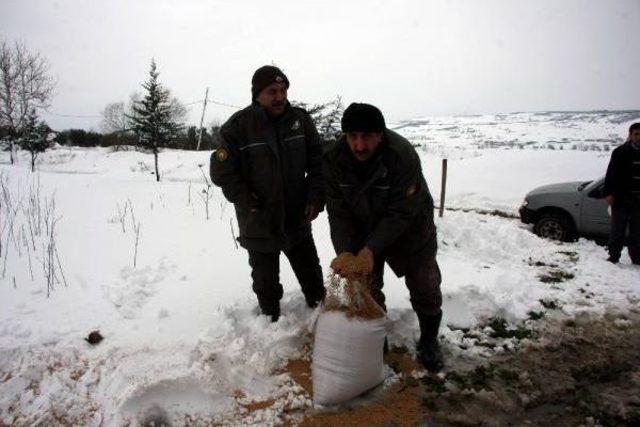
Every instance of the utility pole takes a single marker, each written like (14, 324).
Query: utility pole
(204, 107)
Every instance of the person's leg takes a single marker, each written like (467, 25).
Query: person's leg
(619, 220)
(377, 283)
(306, 265)
(265, 271)
(634, 232)
(423, 283)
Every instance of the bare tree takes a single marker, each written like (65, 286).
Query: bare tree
(25, 84)
(177, 109)
(113, 118)
(114, 121)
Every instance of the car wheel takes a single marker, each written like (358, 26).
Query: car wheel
(555, 227)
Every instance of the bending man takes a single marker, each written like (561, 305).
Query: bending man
(380, 208)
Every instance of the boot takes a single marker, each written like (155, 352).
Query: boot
(274, 313)
(314, 299)
(270, 308)
(429, 354)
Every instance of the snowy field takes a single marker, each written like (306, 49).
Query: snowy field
(182, 336)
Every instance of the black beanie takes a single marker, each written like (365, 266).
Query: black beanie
(362, 118)
(264, 76)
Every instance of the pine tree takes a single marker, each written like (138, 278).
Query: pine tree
(152, 118)
(326, 117)
(33, 136)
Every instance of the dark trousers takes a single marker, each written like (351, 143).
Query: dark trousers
(423, 282)
(265, 271)
(625, 213)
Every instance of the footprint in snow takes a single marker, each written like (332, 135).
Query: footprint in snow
(171, 402)
(136, 285)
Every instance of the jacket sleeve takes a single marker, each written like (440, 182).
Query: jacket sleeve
(404, 204)
(612, 178)
(315, 179)
(341, 221)
(225, 170)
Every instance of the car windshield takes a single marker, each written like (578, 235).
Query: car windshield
(590, 185)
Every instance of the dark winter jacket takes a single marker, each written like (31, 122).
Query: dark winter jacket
(384, 203)
(270, 170)
(623, 174)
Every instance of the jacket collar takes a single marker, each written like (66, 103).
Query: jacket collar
(349, 162)
(264, 117)
(361, 175)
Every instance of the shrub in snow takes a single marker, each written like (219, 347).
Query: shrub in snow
(349, 337)
(34, 137)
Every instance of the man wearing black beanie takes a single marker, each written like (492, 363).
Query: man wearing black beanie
(380, 208)
(269, 166)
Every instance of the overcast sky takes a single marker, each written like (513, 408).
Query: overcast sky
(411, 57)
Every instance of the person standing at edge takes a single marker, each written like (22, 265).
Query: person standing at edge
(269, 166)
(380, 208)
(622, 192)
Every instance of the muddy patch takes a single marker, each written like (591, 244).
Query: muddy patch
(577, 372)
(585, 374)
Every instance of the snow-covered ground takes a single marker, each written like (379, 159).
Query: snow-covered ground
(182, 336)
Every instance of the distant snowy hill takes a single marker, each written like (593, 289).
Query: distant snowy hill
(593, 130)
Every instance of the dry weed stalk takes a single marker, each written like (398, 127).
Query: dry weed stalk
(223, 206)
(51, 265)
(27, 222)
(206, 193)
(233, 234)
(135, 226)
(122, 215)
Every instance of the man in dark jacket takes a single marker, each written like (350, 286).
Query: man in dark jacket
(622, 191)
(269, 166)
(380, 208)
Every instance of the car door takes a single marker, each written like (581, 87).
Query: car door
(594, 210)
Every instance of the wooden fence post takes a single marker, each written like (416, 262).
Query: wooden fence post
(443, 186)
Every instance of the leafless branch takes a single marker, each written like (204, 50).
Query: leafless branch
(206, 194)
(137, 241)
(25, 83)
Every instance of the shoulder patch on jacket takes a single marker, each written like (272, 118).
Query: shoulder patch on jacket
(411, 191)
(221, 154)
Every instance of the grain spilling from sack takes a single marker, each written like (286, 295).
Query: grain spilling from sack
(349, 336)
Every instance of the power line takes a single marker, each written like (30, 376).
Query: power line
(79, 116)
(213, 101)
(91, 116)
(224, 104)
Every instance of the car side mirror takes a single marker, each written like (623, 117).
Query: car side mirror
(597, 193)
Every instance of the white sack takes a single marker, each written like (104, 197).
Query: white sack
(347, 357)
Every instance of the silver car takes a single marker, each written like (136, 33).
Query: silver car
(568, 210)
